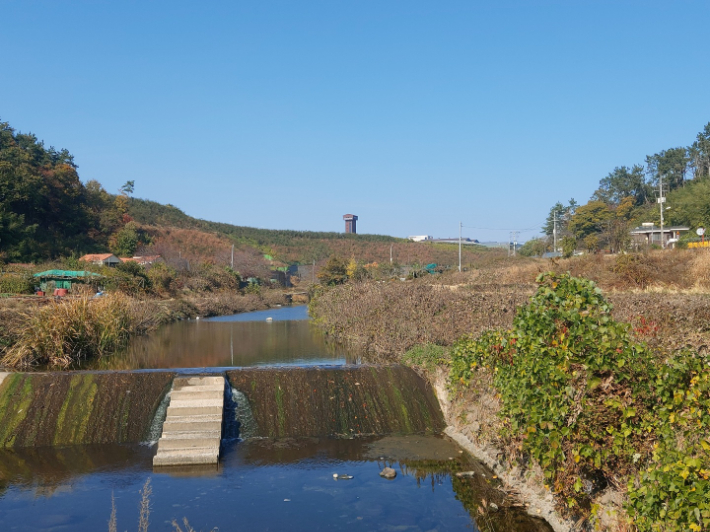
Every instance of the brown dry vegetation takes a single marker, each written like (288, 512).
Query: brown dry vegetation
(389, 318)
(224, 303)
(664, 295)
(62, 332)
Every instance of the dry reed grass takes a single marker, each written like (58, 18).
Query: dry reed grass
(665, 296)
(144, 508)
(223, 303)
(63, 332)
(389, 318)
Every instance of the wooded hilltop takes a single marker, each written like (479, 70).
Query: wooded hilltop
(46, 212)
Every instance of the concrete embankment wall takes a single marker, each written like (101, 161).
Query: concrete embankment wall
(41, 409)
(340, 402)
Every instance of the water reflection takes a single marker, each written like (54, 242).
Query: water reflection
(240, 340)
(262, 485)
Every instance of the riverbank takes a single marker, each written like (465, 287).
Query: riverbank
(58, 333)
(636, 458)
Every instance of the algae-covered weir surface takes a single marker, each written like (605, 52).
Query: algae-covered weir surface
(260, 485)
(240, 340)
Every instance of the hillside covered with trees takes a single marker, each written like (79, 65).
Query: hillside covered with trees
(47, 212)
(627, 197)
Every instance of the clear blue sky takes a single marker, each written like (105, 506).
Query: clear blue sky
(412, 115)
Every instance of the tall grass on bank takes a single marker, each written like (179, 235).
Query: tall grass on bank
(65, 332)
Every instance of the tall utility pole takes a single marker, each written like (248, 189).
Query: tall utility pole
(515, 241)
(661, 201)
(460, 232)
(510, 239)
(391, 245)
(232, 256)
(554, 232)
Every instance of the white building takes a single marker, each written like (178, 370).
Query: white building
(420, 238)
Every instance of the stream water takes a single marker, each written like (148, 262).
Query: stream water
(232, 341)
(261, 483)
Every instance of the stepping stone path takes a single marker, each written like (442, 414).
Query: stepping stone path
(192, 430)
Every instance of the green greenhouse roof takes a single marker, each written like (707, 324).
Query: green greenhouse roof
(66, 274)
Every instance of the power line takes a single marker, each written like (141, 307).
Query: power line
(533, 228)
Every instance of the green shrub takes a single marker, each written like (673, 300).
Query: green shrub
(162, 277)
(15, 283)
(427, 356)
(674, 486)
(591, 406)
(211, 278)
(334, 272)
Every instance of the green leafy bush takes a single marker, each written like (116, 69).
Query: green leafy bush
(674, 485)
(592, 406)
(427, 356)
(162, 278)
(11, 283)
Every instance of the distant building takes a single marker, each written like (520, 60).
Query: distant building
(143, 261)
(420, 238)
(645, 236)
(465, 241)
(350, 223)
(101, 259)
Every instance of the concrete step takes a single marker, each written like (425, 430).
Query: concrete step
(218, 388)
(188, 443)
(179, 403)
(189, 457)
(193, 410)
(216, 418)
(192, 430)
(189, 434)
(201, 426)
(198, 380)
(195, 396)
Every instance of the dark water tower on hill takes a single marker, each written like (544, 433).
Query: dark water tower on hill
(350, 223)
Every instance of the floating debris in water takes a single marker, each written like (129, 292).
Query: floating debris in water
(465, 474)
(269, 320)
(342, 477)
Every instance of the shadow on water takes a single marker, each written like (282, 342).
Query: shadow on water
(262, 484)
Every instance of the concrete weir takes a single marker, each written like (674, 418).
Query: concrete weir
(192, 431)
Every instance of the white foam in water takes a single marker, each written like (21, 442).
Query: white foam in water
(242, 411)
(156, 427)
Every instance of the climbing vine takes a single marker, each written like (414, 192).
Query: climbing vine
(594, 407)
